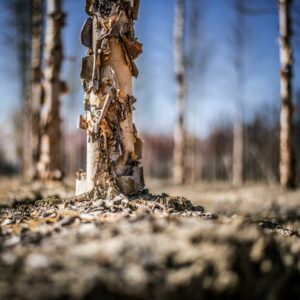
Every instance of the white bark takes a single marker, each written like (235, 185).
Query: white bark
(179, 132)
(113, 148)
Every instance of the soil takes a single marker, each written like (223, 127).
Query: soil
(225, 244)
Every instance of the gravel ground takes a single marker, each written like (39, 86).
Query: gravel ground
(148, 246)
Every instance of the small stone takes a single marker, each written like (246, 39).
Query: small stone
(24, 228)
(85, 229)
(49, 214)
(87, 217)
(8, 222)
(13, 241)
(67, 221)
(9, 258)
(198, 208)
(209, 215)
(37, 261)
(117, 200)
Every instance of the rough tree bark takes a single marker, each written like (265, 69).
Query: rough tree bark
(113, 148)
(238, 128)
(286, 168)
(36, 88)
(179, 132)
(50, 162)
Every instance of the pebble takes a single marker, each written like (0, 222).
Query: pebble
(66, 221)
(37, 261)
(9, 258)
(8, 222)
(12, 241)
(88, 217)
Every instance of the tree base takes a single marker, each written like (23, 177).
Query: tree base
(127, 185)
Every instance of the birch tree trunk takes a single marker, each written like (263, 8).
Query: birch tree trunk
(50, 163)
(179, 132)
(238, 128)
(286, 168)
(36, 89)
(113, 148)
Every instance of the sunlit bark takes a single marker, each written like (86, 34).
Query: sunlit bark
(179, 132)
(287, 172)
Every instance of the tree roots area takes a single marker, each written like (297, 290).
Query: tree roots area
(96, 246)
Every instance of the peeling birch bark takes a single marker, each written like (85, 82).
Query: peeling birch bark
(286, 168)
(50, 163)
(113, 148)
(37, 89)
(179, 132)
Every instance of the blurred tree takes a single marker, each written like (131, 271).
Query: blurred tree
(239, 60)
(18, 131)
(36, 85)
(287, 155)
(19, 18)
(180, 131)
(6, 168)
(287, 163)
(198, 52)
(50, 161)
(297, 133)
(296, 20)
(262, 152)
(157, 155)
(217, 148)
(242, 9)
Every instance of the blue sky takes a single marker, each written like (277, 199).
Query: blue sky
(212, 96)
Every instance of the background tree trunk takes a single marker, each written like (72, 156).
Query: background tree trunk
(286, 168)
(37, 90)
(113, 148)
(50, 163)
(238, 148)
(179, 132)
(238, 127)
(22, 21)
(198, 53)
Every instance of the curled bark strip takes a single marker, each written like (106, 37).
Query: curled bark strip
(86, 33)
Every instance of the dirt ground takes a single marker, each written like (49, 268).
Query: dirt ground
(223, 244)
(253, 199)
